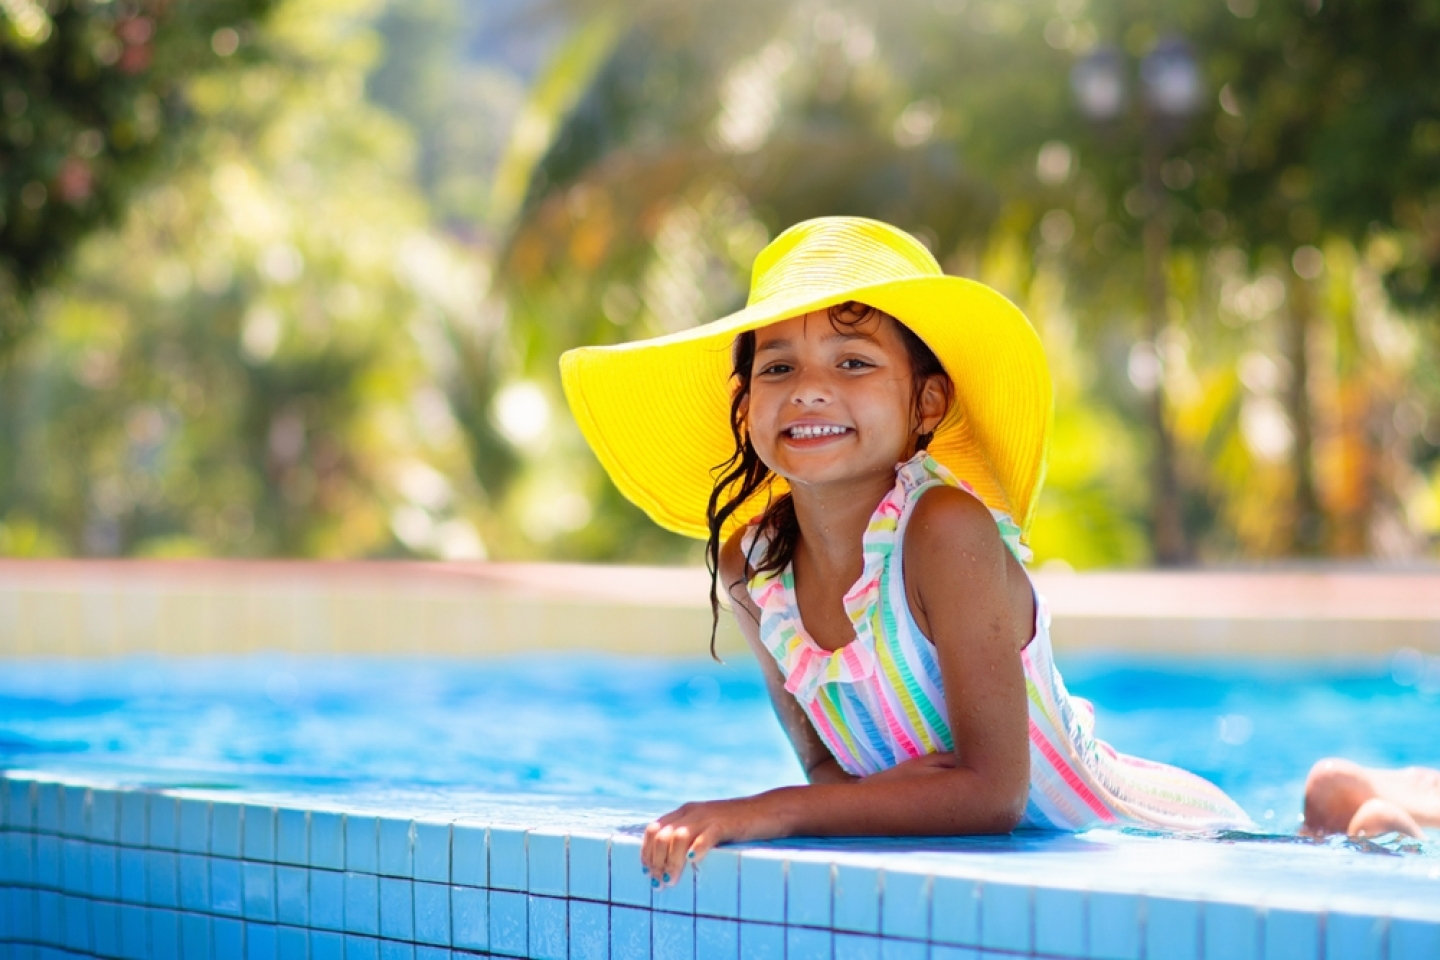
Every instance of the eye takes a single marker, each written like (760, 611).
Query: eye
(775, 369)
(855, 363)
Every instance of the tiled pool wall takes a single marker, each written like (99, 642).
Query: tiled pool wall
(135, 874)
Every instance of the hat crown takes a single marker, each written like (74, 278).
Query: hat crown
(830, 254)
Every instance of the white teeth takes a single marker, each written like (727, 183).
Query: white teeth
(809, 431)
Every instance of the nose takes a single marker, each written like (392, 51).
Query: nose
(809, 388)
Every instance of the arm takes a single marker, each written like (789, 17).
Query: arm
(966, 588)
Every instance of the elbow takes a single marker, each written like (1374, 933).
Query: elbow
(1006, 811)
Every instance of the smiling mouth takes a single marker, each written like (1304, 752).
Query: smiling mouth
(815, 431)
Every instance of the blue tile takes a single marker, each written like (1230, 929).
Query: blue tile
(105, 816)
(716, 939)
(326, 946)
(546, 868)
(717, 885)
(257, 825)
(857, 899)
(807, 893)
(629, 933)
(18, 864)
(105, 928)
(134, 933)
(1115, 926)
(940, 952)
(803, 943)
(260, 942)
(470, 917)
(432, 851)
(1414, 939)
(397, 854)
(892, 949)
(47, 861)
(856, 946)
(48, 922)
(132, 875)
(259, 884)
(164, 935)
(762, 887)
(470, 858)
(391, 950)
(195, 936)
(292, 837)
(20, 804)
(327, 900)
(47, 808)
(22, 913)
(672, 936)
(509, 914)
(225, 829)
(227, 938)
(1354, 937)
(628, 883)
(1293, 935)
(1060, 922)
(397, 908)
(74, 866)
(132, 819)
(226, 892)
(675, 898)
(432, 953)
(195, 826)
(432, 913)
(762, 941)
(164, 833)
(75, 919)
(1232, 932)
(589, 930)
(589, 875)
(327, 840)
(161, 879)
(1172, 929)
(362, 844)
(549, 932)
(292, 896)
(361, 948)
(1005, 917)
(507, 858)
(362, 903)
(75, 811)
(904, 905)
(292, 943)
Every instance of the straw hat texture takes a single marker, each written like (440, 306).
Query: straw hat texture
(657, 412)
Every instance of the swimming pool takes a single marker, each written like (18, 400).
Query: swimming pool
(279, 806)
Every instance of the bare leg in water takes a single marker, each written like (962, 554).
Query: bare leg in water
(1344, 797)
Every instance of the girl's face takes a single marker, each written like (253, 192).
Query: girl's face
(833, 403)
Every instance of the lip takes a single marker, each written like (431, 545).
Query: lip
(788, 438)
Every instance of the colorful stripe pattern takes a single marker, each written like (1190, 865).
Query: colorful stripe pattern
(879, 700)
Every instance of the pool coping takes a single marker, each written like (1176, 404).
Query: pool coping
(129, 872)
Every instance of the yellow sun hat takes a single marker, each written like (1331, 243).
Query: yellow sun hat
(657, 412)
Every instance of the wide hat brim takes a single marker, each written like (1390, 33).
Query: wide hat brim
(657, 412)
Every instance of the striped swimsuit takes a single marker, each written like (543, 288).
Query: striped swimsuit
(878, 700)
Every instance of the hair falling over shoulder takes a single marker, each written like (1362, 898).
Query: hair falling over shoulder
(744, 475)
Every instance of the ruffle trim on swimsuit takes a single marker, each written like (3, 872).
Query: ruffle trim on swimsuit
(807, 666)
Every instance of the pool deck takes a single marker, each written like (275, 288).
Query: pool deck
(103, 608)
(128, 872)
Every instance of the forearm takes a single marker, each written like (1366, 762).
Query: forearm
(954, 801)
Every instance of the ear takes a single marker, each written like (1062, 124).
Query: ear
(933, 404)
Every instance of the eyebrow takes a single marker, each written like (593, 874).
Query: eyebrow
(837, 335)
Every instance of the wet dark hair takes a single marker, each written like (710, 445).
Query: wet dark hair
(744, 475)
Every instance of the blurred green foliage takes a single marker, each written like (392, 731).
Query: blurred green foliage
(328, 320)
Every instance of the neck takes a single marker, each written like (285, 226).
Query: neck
(832, 520)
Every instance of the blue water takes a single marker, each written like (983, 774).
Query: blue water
(589, 725)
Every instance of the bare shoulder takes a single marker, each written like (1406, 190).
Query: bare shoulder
(734, 569)
(947, 520)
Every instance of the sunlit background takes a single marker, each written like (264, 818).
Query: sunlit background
(291, 277)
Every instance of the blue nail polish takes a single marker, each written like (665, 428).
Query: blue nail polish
(690, 855)
(645, 870)
(667, 878)
(654, 882)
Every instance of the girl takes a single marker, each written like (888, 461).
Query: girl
(904, 647)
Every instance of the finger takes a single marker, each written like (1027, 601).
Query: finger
(648, 847)
(702, 844)
(675, 856)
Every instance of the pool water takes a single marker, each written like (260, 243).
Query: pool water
(657, 730)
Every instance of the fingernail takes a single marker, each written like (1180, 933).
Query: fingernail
(690, 855)
(645, 870)
(654, 882)
(667, 878)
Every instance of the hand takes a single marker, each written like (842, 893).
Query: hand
(686, 834)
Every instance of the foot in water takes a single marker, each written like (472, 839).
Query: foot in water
(1344, 797)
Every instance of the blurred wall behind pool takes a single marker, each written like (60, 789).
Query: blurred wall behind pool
(289, 278)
